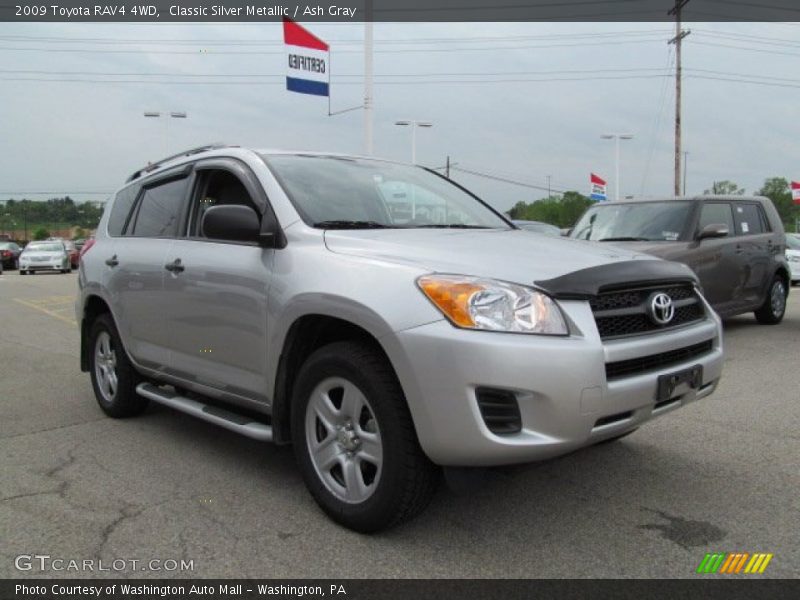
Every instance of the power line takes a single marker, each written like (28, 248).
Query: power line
(504, 179)
(281, 75)
(240, 42)
(761, 50)
(201, 51)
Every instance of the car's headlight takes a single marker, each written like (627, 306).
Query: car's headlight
(487, 304)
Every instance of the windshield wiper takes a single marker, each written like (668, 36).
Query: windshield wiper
(344, 224)
(625, 239)
(451, 226)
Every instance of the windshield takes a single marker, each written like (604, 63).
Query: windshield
(645, 221)
(46, 247)
(354, 193)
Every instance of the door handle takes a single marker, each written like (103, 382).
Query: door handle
(112, 262)
(175, 266)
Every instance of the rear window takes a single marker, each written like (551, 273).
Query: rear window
(121, 208)
(160, 210)
(749, 220)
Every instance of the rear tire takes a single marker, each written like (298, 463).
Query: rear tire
(774, 307)
(355, 441)
(113, 377)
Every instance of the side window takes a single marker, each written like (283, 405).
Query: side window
(160, 210)
(121, 208)
(217, 188)
(715, 213)
(748, 219)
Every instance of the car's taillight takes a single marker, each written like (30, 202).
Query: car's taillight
(89, 243)
(6, 252)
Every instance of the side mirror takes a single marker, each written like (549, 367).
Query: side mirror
(231, 222)
(714, 230)
(566, 231)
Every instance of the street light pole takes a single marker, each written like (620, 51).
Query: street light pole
(172, 115)
(616, 137)
(413, 124)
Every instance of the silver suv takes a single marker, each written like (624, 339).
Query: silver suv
(381, 318)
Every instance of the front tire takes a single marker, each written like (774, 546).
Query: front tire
(774, 307)
(113, 377)
(355, 441)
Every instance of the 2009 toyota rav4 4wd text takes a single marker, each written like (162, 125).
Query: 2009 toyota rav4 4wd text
(379, 317)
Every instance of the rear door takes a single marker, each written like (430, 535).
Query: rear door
(217, 309)
(754, 245)
(138, 264)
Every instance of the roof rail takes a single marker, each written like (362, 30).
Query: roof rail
(153, 166)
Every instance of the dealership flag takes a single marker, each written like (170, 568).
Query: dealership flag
(796, 192)
(598, 188)
(307, 60)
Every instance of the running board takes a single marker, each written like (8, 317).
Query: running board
(218, 416)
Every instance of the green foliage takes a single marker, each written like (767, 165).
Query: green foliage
(63, 211)
(41, 233)
(79, 234)
(561, 212)
(777, 190)
(724, 188)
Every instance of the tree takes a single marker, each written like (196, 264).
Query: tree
(777, 190)
(561, 212)
(724, 188)
(41, 233)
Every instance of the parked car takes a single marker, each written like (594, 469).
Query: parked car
(79, 243)
(9, 255)
(538, 227)
(50, 255)
(275, 295)
(793, 257)
(735, 245)
(73, 252)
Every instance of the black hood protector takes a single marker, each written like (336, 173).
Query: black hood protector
(587, 283)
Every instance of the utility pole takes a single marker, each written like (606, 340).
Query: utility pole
(447, 167)
(548, 187)
(679, 35)
(368, 43)
(685, 159)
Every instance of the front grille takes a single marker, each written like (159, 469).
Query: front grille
(642, 364)
(624, 312)
(499, 410)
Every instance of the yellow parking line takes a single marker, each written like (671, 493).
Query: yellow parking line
(45, 311)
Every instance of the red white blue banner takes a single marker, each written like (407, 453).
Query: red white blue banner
(796, 192)
(307, 61)
(598, 187)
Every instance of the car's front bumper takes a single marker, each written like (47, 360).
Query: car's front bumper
(560, 385)
(42, 267)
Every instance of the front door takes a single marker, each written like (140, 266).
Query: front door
(217, 312)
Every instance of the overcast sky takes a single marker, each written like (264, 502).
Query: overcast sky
(71, 137)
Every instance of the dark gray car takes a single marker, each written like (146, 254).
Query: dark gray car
(735, 245)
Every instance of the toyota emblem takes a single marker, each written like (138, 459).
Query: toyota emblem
(662, 309)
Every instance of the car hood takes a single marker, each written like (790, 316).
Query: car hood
(511, 255)
(666, 250)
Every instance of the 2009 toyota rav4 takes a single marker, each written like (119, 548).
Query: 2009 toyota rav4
(380, 318)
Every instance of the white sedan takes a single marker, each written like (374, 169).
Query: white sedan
(793, 257)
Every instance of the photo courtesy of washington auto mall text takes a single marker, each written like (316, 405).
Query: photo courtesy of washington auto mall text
(399, 299)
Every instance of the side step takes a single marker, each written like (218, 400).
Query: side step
(218, 416)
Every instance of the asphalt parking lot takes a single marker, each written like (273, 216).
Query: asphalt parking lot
(718, 476)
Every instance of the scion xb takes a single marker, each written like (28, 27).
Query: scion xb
(379, 317)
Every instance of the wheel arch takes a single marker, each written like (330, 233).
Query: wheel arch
(306, 334)
(93, 306)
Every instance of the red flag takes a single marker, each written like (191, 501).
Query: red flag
(796, 192)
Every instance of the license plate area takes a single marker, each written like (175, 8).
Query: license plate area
(691, 378)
